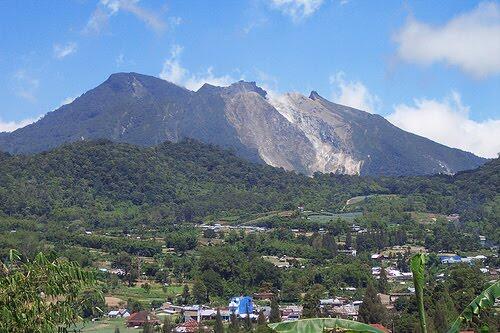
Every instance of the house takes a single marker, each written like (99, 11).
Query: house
(264, 296)
(330, 302)
(346, 311)
(241, 305)
(140, 318)
(191, 326)
(291, 312)
(450, 259)
(120, 313)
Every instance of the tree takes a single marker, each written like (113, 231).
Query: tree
(248, 321)
(27, 285)
(329, 243)
(383, 285)
(311, 304)
(348, 240)
(185, 294)
(167, 327)
(444, 310)
(274, 316)
(148, 328)
(124, 261)
(371, 310)
(219, 326)
(290, 291)
(262, 323)
(92, 303)
(199, 291)
(234, 325)
(213, 282)
(134, 305)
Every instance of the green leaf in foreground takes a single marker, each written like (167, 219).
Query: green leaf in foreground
(485, 300)
(40, 295)
(323, 325)
(418, 269)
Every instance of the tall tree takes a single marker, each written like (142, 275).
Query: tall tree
(219, 326)
(274, 316)
(444, 310)
(247, 324)
(262, 323)
(371, 310)
(329, 243)
(168, 326)
(383, 285)
(185, 294)
(311, 304)
(348, 239)
(199, 291)
(234, 325)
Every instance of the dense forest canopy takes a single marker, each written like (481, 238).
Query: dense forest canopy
(189, 181)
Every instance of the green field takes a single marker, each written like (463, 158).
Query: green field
(107, 326)
(138, 293)
(327, 217)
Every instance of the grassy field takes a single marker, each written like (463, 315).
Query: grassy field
(140, 294)
(326, 217)
(107, 326)
(426, 218)
(357, 203)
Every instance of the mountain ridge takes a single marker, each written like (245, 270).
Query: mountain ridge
(305, 134)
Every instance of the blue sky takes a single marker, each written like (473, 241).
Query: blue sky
(430, 67)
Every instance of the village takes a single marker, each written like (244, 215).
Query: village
(387, 265)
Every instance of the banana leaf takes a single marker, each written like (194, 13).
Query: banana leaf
(485, 300)
(316, 325)
(417, 264)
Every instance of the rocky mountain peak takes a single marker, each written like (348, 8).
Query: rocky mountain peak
(314, 95)
(290, 131)
(244, 87)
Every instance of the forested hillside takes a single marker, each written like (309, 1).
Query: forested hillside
(113, 206)
(112, 183)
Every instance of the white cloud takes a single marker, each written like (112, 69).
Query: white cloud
(174, 72)
(268, 82)
(353, 93)
(470, 41)
(25, 86)
(447, 122)
(62, 51)
(174, 21)
(97, 21)
(297, 9)
(107, 8)
(68, 100)
(120, 60)
(9, 126)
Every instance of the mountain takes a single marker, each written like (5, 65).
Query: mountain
(305, 134)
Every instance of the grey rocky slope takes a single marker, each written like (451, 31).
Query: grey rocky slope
(306, 134)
